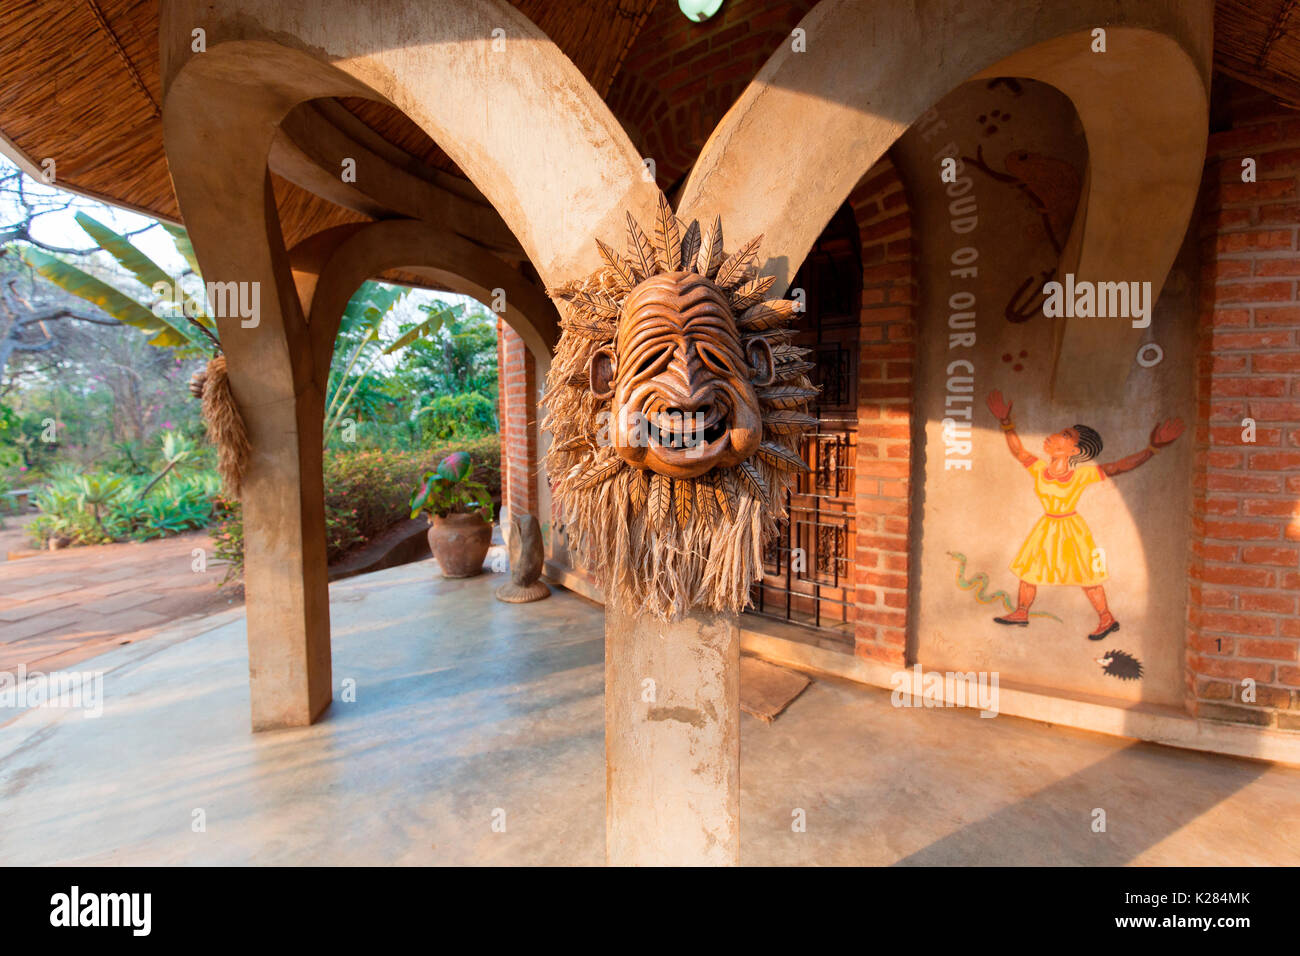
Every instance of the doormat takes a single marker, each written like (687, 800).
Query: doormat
(766, 689)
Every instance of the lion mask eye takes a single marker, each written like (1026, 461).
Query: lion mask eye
(654, 362)
(715, 359)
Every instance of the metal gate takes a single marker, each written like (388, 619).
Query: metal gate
(808, 566)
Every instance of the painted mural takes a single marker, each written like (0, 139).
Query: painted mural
(1060, 549)
(1039, 555)
(1050, 185)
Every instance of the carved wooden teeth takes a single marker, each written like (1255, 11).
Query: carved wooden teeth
(594, 311)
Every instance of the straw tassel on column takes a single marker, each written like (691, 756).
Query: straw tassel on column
(224, 423)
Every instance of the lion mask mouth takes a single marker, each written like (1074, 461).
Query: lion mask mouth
(677, 430)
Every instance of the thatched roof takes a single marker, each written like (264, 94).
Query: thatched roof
(1258, 41)
(81, 85)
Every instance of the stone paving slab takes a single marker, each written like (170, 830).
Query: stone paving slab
(26, 609)
(72, 603)
(121, 601)
(40, 624)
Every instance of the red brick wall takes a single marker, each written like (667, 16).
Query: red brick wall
(518, 417)
(680, 78)
(1245, 574)
(885, 370)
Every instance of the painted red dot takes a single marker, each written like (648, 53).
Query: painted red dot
(1018, 367)
(1024, 354)
(1006, 357)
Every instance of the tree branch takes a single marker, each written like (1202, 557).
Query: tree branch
(49, 315)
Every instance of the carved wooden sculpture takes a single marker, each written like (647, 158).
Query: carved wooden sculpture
(526, 558)
(675, 406)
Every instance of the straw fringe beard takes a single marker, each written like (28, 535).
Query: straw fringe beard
(659, 545)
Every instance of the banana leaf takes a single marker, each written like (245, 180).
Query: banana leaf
(124, 251)
(183, 245)
(109, 300)
(75, 282)
(369, 304)
(429, 326)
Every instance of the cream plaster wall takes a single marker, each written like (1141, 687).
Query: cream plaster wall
(1140, 518)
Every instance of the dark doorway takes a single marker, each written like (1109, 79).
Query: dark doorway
(808, 566)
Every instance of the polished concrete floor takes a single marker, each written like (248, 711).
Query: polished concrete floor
(468, 712)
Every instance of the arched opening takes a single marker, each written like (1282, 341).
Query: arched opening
(986, 245)
(279, 365)
(808, 568)
(330, 266)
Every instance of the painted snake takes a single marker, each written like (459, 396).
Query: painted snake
(981, 581)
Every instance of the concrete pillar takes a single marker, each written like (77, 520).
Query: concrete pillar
(286, 580)
(672, 747)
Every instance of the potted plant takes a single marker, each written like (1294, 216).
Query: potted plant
(460, 516)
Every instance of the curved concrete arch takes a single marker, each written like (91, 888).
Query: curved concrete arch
(344, 257)
(520, 121)
(329, 266)
(309, 152)
(809, 126)
(511, 110)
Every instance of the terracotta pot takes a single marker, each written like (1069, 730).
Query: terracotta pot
(460, 542)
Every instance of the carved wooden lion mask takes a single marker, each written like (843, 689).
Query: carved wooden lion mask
(675, 405)
(682, 383)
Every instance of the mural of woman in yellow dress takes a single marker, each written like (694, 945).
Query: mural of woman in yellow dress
(1060, 548)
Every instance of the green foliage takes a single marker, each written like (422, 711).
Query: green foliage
(359, 338)
(166, 326)
(448, 417)
(11, 455)
(85, 432)
(460, 358)
(449, 489)
(97, 507)
(366, 493)
(128, 458)
(184, 505)
(7, 504)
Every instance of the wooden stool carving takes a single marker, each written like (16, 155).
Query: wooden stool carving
(526, 555)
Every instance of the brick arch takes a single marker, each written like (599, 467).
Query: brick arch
(517, 386)
(886, 367)
(810, 124)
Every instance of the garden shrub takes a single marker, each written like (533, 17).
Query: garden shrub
(366, 492)
(459, 417)
(101, 507)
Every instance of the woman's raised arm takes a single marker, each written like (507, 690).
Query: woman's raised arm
(1165, 433)
(1001, 410)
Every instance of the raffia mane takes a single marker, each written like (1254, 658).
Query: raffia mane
(664, 546)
